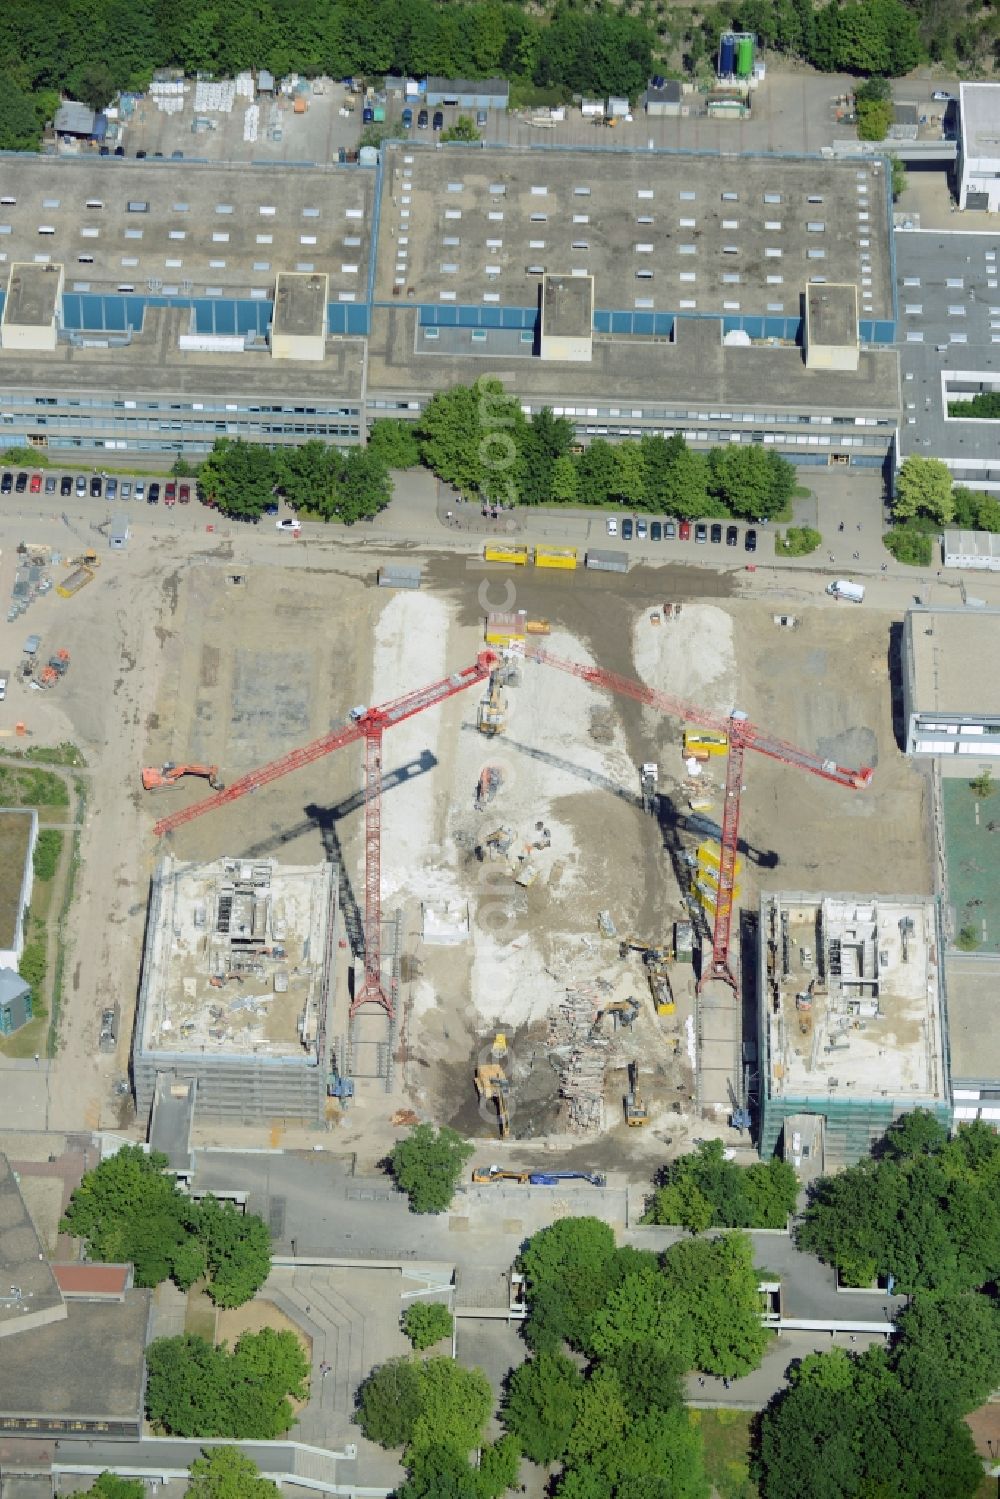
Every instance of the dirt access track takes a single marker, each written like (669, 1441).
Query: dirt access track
(172, 659)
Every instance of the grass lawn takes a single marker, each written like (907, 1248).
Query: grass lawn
(199, 1317)
(31, 788)
(14, 834)
(726, 1435)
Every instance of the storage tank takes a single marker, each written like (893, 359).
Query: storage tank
(727, 55)
(744, 57)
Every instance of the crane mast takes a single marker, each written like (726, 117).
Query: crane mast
(741, 735)
(369, 725)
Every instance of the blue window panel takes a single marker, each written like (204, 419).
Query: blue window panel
(91, 311)
(642, 322)
(602, 322)
(114, 314)
(621, 322)
(358, 319)
(491, 317)
(225, 316)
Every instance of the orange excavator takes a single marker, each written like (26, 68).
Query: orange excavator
(170, 774)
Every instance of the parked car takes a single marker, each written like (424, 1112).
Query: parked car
(942, 96)
(732, 536)
(438, 120)
(715, 534)
(126, 489)
(21, 483)
(684, 530)
(109, 1030)
(36, 484)
(170, 493)
(184, 494)
(641, 530)
(480, 118)
(119, 150)
(701, 531)
(422, 118)
(95, 487)
(655, 530)
(289, 523)
(140, 490)
(407, 119)
(111, 489)
(626, 530)
(153, 498)
(612, 525)
(65, 485)
(7, 483)
(367, 115)
(669, 530)
(750, 540)
(50, 483)
(81, 486)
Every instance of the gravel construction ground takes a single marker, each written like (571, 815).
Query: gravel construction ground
(172, 659)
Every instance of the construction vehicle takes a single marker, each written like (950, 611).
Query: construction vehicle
(170, 774)
(492, 715)
(74, 581)
(58, 666)
(493, 1083)
(484, 1174)
(740, 1116)
(702, 745)
(553, 1178)
(741, 735)
(498, 842)
(649, 776)
(490, 781)
(538, 627)
(624, 1011)
(649, 950)
(635, 1110)
(660, 988)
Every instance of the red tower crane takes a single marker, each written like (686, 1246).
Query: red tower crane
(369, 726)
(742, 735)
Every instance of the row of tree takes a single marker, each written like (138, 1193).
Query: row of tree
(704, 1190)
(92, 48)
(925, 1210)
(220, 1473)
(863, 37)
(478, 439)
(197, 1389)
(887, 1421)
(129, 1210)
(242, 479)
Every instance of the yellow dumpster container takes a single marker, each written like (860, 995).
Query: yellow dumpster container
(555, 557)
(507, 551)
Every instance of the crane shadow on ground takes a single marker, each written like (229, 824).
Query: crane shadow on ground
(326, 820)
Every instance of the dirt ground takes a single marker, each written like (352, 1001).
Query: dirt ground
(173, 660)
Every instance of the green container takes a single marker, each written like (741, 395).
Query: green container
(744, 57)
(379, 115)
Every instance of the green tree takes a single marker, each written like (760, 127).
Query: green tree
(127, 1209)
(193, 1389)
(751, 481)
(908, 546)
(109, 1486)
(597, 469)
(395, 442)
(923, 488)
(19, 124)
(568, 1268)
(439, 1473)
(427, 1165)
(426, 1323)
(48, 848)
(499, 1465)
(630, 473)
(716, 1284)
(703, 1190)
(454, 1406)
(225, 1473)
(308, 474)
(797, 541)
(462, 130)
(564, 481)
(641, 1314)
(364, 487)
(389, 1403)
(948, 1349)
(539, 1405)
(237, 1250)
(899, 181)
(239, 477)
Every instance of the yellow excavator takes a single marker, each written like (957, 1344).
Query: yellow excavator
(492, 1082)
(635, 1110)
(492, 715)
(484, 1174)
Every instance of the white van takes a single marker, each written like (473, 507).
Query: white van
(850, 593)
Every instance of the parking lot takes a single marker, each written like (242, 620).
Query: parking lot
(98, 486)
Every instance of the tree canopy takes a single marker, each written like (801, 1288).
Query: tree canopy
(926, 1211)
(426, 1323)
(129, 1210)
(430, 1406)
(704, 1190)
(226, 1473)
(110, 1486)
(923, 488)
(243, 479)
(196, 1390)
(427, 1165)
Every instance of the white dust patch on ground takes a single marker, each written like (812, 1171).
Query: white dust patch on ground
(691, 656)
(528, 945)
(410, 642)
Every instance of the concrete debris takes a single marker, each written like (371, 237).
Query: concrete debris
(580, 1056)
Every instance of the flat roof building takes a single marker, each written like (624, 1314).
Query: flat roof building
(198, 302)
(852, 1022)
(951, 706)
(949, 295)
(830, 338)
(973, 981)
(979, 146)
(236, 988)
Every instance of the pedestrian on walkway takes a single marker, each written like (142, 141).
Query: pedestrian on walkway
(855, 555)
(841, 526)
(859, 525)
